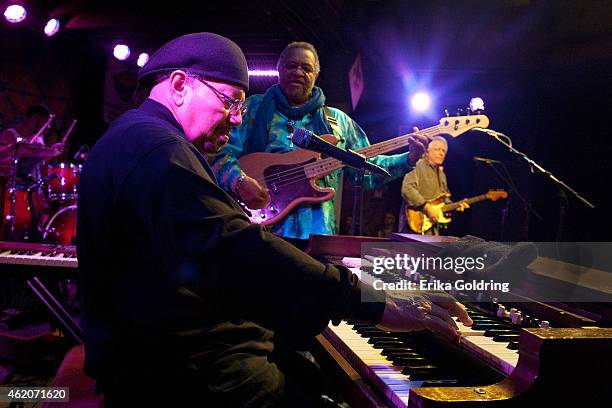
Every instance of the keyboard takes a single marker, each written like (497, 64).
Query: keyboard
(15, 253)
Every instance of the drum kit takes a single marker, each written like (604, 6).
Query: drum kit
(41, 208)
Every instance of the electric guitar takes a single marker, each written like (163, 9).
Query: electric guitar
(291, 177)
(420, 223)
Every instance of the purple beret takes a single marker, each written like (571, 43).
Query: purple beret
(210, 55)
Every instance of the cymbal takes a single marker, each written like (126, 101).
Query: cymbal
(25, 150)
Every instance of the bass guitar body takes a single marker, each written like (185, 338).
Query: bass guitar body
(284, 175)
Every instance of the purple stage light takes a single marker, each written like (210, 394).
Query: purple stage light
(15, 13)
(420, 101)
(476, 104)
(263, 72)
(52, 27)
(142, 59)
(121, 52)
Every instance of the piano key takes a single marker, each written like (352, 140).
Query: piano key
(506, 338)
(417, 368)
(513, 345)
(36, 255)
(498, 332)
(494, 352)
(375, 366)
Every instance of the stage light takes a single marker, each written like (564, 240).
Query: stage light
(15, 13)
(142, 59)
(420, 101)
(263, 72)
(52, 27)
(476, 104)
(121, 52)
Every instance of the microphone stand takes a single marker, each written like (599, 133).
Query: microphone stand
(358, 197)
(532, 164)
(507, 180)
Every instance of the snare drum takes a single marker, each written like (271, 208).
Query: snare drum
(61, 227)
(63, 182)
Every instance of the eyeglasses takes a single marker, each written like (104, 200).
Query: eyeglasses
(293, 66)
(234, 106)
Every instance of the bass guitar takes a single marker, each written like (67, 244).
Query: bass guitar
(291, 177)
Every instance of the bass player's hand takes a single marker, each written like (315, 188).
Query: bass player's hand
(251, 193)
(417, 144)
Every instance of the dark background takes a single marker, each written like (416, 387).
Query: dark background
(542, 68)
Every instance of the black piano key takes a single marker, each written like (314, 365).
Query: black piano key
(370, 332)
(506, 337)
(424, 372)
(404, 354)
(375, 339)
(513, 345)
(392, 350)
(489, 326)
(386, 344)
(499, 332)
(413, 361)
(447, 382)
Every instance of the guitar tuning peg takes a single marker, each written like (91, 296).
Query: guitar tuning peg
(446, 113)
(460, 111)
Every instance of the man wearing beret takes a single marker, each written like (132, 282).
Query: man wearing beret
(181, 293)
(270, 119)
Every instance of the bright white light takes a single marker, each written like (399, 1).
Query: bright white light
(420, 101)
(121, 52)
(52, 27)
(263, 72)
(142, 59)
(476, 104)
(15, 13)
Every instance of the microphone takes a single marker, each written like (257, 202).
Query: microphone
(309, 141)
(485, 160)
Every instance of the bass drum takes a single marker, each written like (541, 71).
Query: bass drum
(61, 227)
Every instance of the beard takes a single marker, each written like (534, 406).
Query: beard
(297, 94)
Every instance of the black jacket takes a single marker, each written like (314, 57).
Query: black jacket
(172, 271)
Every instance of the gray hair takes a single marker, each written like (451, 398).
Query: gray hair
(300, 44)
(439, 139)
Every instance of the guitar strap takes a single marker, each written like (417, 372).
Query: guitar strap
(333, 123)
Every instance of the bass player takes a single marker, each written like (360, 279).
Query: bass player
(270, 119)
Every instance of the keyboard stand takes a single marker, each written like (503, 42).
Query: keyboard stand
(67, 322)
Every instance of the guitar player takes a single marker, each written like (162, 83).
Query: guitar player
(427, 181)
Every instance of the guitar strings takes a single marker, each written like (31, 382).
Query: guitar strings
(300, 170)
(282, 179)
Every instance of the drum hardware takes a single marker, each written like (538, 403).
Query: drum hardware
(63, 187)
(53, 185)
(61, 227)
(13, 199)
